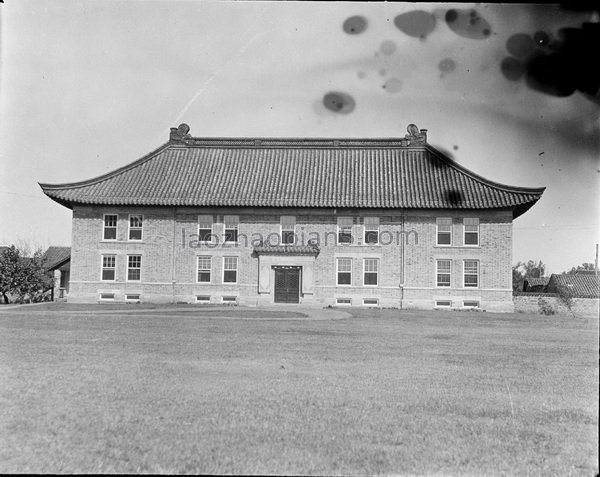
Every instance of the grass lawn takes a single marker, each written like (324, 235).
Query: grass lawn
(136, 389)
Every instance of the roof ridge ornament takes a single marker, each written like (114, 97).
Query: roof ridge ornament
(416, 135)
(180, 133)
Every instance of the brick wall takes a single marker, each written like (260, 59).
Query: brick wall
(581, 306)
(407, 256)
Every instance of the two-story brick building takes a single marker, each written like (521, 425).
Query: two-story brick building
(370, 222)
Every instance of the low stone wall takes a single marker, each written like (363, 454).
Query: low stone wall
(530, 303)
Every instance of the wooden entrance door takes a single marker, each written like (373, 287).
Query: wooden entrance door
(287, 285)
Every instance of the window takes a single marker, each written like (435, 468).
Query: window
(134, 268)
(110, 227)
(471, 228)
(444, 231)
(371, 230)
(371, 301)
(230, 269)
(288, 226)
(443, 273)
(471, 273)
(231, 228)
(229, 299)
(205, 228)
(135, 227)
(471, 304)
(443, 304)
(343, 301)
(345, 230)
(202, 299)
(132, 297)
(371, 269)
(107, 296)
(344, 271)
(108, 267)
(204, 268)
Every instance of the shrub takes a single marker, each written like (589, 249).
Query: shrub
(545, 307)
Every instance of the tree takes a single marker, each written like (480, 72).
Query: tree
(583, 266)
(524, 270)
(23, 276)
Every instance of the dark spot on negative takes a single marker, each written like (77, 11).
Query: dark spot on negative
(520, 45)
(512, 69)
(417, 23)
(468, 24)
(541, 38)
(339, 102)
(454, 196)
(447, 65)
(355, 25)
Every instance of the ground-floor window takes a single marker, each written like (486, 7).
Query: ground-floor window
(344, 271)
(471, 273)
(443, 273)
(204, 269)
(134, 268)
(230, 268)
(108, 267)
(371, 271)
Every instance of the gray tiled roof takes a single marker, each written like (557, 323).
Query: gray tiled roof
(270, 172)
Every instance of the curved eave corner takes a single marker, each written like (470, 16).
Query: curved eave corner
(522, 208)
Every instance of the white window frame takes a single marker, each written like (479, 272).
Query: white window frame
(105, 227)
(201, 219)
(129, 267)
(475, 224)
(338, 271)
(478, 273)
(371, 224)
(209, 269)
(130, 228)
(287, 221)
(234, 223)
(365, 271)
(438, 223)
(113, 268)
(236, 269)
(344, 229)
(438, 272)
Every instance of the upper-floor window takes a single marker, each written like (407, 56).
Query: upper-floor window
(444, 231)
(205, 228)
(134, 268)
(471, 230)
(108, 267)
(471, 273)
(135, 227)
(345, 230)
(230, 267)
(371, 271)
(204, 269)
(371, 230)
(344, 271)
(231, 228)
(288, 229)
(443, 273)
(110, 227)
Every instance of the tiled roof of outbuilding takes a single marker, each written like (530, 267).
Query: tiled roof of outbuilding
(56, 256)
(580, 285)
(269, 172)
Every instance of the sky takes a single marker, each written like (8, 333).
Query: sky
(89, 86)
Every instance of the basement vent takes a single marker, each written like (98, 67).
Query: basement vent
(107, 296)
(132, 297)
(371, 301)
(229, 299)
(202, 299)
(471, 304)
(443, 303)
(343, 301)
